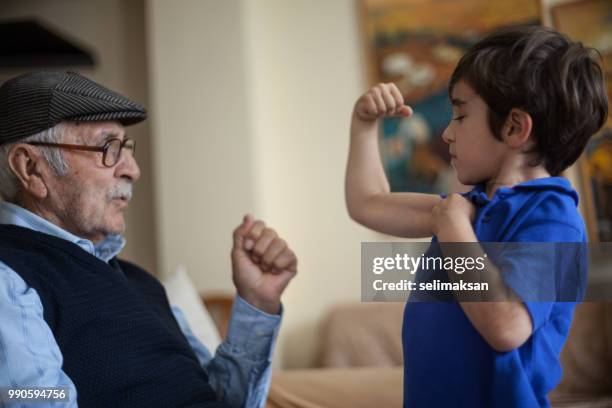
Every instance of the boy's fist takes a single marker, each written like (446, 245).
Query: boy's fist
(452, 211)
(380, 101)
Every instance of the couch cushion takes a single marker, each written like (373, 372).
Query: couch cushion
(182, 293)
(587, 355)
(360, 335)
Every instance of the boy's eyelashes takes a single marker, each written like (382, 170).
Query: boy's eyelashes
(459, 118)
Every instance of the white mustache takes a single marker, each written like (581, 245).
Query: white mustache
(121, 190)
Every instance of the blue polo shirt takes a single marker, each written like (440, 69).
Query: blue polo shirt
(447, 363)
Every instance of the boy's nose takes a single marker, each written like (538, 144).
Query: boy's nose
(446, 135)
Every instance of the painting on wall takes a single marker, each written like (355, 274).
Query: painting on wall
(590, 22)
(417, 44)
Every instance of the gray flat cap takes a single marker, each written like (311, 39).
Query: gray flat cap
(33, 102)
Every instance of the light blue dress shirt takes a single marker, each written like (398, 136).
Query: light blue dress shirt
(239, 371)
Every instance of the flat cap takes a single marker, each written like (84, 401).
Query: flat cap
(36, 101)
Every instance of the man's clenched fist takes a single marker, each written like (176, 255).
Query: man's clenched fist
(262, 264)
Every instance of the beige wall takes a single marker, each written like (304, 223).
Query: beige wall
(251, 104)
(202, 139)
(305, 75)
(114, 30)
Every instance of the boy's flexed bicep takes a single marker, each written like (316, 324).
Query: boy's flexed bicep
(406, 215)
(368, 197)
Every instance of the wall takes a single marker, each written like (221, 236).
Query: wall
(306, 74)
(202, 150)
(251, 102)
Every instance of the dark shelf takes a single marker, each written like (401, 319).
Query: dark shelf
(31, 44)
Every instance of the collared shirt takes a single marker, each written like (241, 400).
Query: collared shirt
(240, 370)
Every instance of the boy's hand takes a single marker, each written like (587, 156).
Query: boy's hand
(380, 101)
(262, 265)
(453, 211)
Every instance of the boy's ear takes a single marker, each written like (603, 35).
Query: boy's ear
(517, 128)
(29, 167)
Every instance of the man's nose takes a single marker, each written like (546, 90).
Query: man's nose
(128, 167)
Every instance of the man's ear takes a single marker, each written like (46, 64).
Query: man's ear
(30, 168)
(517, 128)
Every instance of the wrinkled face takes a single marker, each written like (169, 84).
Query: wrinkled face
(476, 154)
(91, 198)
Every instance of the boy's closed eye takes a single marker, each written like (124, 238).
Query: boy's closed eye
(458, 105)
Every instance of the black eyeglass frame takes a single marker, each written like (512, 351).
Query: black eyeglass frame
(125, 143)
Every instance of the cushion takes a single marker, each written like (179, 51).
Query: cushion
(183, 294)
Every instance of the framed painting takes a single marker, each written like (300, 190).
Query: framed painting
(417, 44)
(590, 22)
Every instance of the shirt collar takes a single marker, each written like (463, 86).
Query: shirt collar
(561, 185)
(105, 250)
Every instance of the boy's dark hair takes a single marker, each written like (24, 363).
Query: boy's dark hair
(542, 72)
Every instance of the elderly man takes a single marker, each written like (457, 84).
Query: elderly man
(72, 315)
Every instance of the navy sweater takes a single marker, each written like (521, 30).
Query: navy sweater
(120, 342)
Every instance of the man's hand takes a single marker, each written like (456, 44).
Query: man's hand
(380, 101)
(452, 212)
(262, 265)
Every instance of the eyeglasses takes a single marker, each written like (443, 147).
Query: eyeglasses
(111, 151)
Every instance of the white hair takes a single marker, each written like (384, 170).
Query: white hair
(9, 185)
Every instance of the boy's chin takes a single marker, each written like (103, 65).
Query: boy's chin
(464, 179)
(470, 180)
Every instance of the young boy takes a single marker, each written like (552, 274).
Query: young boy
(525, 102)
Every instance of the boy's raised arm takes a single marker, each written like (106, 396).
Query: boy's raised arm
(368, 197)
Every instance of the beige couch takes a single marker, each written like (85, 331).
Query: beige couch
(348, 377)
